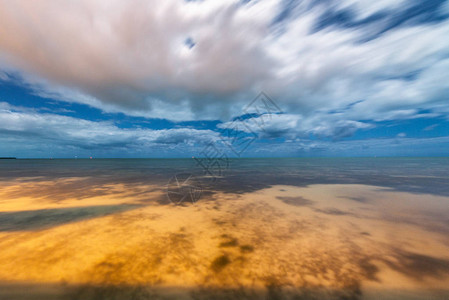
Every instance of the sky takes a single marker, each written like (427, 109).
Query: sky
(267, 78)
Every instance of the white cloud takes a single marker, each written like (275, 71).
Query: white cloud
(122, 53)
(297, 127)
(130, 57)
(437, 146)
(331, 69)
(27, 126)
(366, 8)
(445, 8)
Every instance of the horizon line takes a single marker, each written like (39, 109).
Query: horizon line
(263, 157)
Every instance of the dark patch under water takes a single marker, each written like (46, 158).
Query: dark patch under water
(46, 218)
(296, 201)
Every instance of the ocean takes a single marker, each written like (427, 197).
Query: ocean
(260, 228)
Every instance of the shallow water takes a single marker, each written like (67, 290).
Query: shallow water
(344, 228)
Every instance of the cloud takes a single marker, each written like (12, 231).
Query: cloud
(333, 68)
(125, 57)
(293, 127)
(132, 57)
(430, 127)
(27, 132)
(405, 146)
(366, 8)
(445, 8)
(29, 128)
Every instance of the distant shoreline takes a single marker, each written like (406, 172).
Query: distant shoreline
(8, 158)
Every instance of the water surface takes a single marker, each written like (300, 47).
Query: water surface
(305, 228)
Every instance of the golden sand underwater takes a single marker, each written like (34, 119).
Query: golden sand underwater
(283, 242)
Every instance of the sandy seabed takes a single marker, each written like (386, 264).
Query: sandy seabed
(283, 242)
